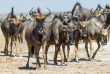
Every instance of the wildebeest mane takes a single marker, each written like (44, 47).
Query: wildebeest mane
(77, 4)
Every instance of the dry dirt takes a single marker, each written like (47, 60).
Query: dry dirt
(17, 65)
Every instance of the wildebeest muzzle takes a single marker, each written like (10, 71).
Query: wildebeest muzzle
(104, 42)
(84, 34)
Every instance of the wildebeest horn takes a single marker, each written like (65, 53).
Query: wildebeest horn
(60, 17)
(30, 12)
(38, 10)
(91, 9)
(23, 16)
(49, 10)
(12, 10)
(108, 27)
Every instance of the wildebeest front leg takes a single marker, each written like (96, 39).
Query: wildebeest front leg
(61, 53)
(6, 46)
(37, 48)
(68, 49)
(44, 54)
(12, 40)
(16, 45)
(63, 46)
(76, 49)
(96, 50)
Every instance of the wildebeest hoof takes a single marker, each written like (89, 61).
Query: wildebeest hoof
(17, 55)
(65, 60)
(89, 59)
(56, 63)
(77, 61)
(68, 60)
(63, 64)
(27, 66)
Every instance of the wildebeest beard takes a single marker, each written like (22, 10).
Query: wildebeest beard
(40, 38)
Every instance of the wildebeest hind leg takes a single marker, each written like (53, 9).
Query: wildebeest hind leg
(90, 50)
(29, 54)
(96, 50)
(56, 52)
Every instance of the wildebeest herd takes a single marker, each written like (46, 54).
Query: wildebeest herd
(62, 29)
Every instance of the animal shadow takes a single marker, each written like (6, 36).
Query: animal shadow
(25, 68)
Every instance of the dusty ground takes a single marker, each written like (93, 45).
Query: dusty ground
(16, 65)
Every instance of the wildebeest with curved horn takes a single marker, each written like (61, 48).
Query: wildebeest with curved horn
(59, 35)
(11, 29)
(95, 31)
(36, 35)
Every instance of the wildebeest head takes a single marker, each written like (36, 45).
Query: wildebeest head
(83, 28)
(104, 36)
(101, 15)
(73, 27)
(14, 26)
(40, 20)
(66, 17)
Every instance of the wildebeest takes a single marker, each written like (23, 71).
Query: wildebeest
(11, 28)
(36, 35)
(59, 35)
(95, 31)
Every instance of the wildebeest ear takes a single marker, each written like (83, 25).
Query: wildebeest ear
(9, 20)
(60, 17)
(23, 20)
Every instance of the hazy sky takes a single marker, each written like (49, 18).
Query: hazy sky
(53, 5)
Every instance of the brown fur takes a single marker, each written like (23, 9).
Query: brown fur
(40, 16)
(16, 21)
